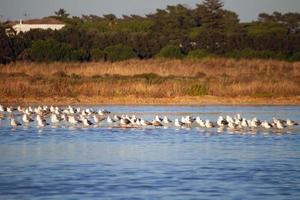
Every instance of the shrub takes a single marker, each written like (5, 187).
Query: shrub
(295, 57)
(119, 52)
(170, 51)
(97, 55)
(79, 55)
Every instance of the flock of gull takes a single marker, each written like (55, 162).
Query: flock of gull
(71, 116)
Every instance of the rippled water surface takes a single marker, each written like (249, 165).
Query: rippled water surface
(153, 163)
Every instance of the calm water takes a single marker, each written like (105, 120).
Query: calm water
(154, 163)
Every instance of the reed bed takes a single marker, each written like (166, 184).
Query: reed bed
(152, 79)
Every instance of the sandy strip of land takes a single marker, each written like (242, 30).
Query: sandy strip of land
(131, 100)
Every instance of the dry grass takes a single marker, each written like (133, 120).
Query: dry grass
(187, 68)
(152, 79)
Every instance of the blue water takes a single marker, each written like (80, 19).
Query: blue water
(153, 163)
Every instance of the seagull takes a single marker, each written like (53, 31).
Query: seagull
(9, 109)
(54, 119)
(14, 122)
(229, 119)
(87, 122)
(117, 118)
(27, 119)
(222, 122)
(266, 125)
(232, 125)
(279, 125)
(166, 120)
(41, 121)
(156, 123)
(188, 120)
(238, 117)
(157, 118)
(278, 120)
(103, 112)
(138, 122)
(97, 119)
(40, 118)
(110, 120)
(20, 109)
(208, 124)
(73, 120)
(71, 110)
(291, 123)
(254, 123)
(145, 123)
(244, 123)
(64, 117)
(178, 123)
(125, 121)
(200, 122)
(2, 109)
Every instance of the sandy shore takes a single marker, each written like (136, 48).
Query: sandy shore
(131, 100)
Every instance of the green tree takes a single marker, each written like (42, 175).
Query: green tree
(211, 33)
(62, 13)
(213, 18)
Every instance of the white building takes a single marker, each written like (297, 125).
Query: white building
(44, 23)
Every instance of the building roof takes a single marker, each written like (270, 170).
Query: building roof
(45, 20)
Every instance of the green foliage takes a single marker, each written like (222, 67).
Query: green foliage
(170, 51)
(119, 52)
(135, 25)
(99, 26)
(49, 50)
(270, 28)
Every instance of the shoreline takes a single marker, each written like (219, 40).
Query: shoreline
(176, 101)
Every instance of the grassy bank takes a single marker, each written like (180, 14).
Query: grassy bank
(213, 80)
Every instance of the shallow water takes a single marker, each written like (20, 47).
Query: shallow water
(153, 163)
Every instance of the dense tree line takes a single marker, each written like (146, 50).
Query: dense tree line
(174, 32)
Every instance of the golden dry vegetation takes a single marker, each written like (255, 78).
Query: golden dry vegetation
(159, 81)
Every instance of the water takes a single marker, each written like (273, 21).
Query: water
(153, 163)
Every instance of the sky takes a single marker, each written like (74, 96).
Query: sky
(247, 10)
